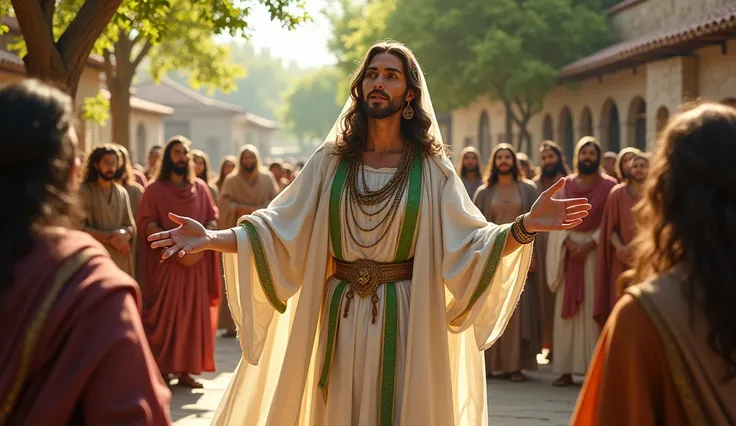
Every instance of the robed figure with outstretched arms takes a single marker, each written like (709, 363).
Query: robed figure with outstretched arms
(366, 292)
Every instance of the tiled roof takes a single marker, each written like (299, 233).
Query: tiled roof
(139, 104)
(711, 28)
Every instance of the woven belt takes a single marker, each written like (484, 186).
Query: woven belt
(365, 276)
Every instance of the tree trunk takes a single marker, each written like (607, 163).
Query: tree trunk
(119, 81)
(508, 138)
(61, 61)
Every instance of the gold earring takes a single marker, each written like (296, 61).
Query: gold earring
(408, 112)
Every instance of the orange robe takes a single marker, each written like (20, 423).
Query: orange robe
(180, 303)
(653, 365)
(617, 217)
(92, 364)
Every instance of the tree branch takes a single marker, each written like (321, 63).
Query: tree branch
(36, 30)
(48, 6)
(78, 39)
(142, 54)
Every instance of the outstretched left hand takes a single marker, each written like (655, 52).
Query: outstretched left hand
(549, 214)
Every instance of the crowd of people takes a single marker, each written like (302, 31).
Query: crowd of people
(572, 282)
(97, 324)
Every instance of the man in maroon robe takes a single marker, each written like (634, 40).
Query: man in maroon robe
(180, 296)
(571, 265)
(617, 232)
(72, 346)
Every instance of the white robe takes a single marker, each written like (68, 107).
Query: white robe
(440, 377)
(574, 338)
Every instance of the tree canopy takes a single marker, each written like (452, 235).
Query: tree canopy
(508, 50)
(311, 105)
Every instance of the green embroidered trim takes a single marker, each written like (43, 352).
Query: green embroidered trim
(489, 269)
(338, 183)
(389, 354)
(332, 325)
(264, 272)
(411, 212)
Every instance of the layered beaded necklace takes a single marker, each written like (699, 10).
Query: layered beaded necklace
(387, 198)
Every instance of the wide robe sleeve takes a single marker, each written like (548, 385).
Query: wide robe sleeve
(484, 287)
(273, 247)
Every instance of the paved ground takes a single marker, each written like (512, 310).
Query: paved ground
(533, 403)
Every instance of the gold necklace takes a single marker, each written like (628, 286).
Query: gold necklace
(388, 198)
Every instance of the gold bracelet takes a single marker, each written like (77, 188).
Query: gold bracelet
(520, 234)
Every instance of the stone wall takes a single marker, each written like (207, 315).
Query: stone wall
(649, 16)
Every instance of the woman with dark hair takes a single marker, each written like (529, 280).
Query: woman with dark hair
(72, 346)
(227, 166)
(667, 355)
(202, 170)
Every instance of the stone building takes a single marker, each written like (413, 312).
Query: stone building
(672, 51)
(217, 128)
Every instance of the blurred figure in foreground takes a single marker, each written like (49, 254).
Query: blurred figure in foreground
(667, 355)
(72, 346)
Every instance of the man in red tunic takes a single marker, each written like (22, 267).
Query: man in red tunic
(180, 296)
(617, 231)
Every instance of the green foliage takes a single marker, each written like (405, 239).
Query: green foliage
(311, 105)
(96, 109)
(509, 50)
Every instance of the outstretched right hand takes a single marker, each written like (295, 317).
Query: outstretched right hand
(189, 237)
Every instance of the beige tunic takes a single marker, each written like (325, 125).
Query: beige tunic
(442, 326)
(109, 215)
(135, 194)
(517, 348)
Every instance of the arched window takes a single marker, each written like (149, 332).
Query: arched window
(610, 127)
(566, 135)
(548, 132)
(637, 123)
(140, 144)
(586, 123)
(484, 135)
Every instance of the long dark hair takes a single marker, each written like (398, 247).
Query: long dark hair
(206, 158)
(561, 165)
(351, 142)
(492, 172)
(90, 172)
(221, 177)
(686, 218)
(167, 166)
(125, 169)
(37, 158)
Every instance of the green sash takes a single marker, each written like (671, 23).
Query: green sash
(390, 307)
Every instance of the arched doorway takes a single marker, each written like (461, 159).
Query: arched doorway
(548, 132)
(663, 116)
(637, 123)
(610, 126)
(484, 135)
(586, 123)
(140, 144)
(566, 134)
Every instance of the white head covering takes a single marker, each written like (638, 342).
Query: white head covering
(426, 105)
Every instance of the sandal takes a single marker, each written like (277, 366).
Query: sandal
(188, 382)
(563, 381)
(518, 377)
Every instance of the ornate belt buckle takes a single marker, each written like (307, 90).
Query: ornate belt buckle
(366, 278)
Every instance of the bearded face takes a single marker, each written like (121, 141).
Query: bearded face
(384, 87)
(588, 160)
(107, 166)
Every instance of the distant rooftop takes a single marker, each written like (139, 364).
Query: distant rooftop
(138, 104)
(168, 92)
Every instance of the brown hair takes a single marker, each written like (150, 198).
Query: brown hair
(686, 218)
(221, 176)
(351, 141)
(167, 166)
(619, 167)
(206, 158)
(90, 172)
(491, 177)
(125, 169)
(37, 158)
